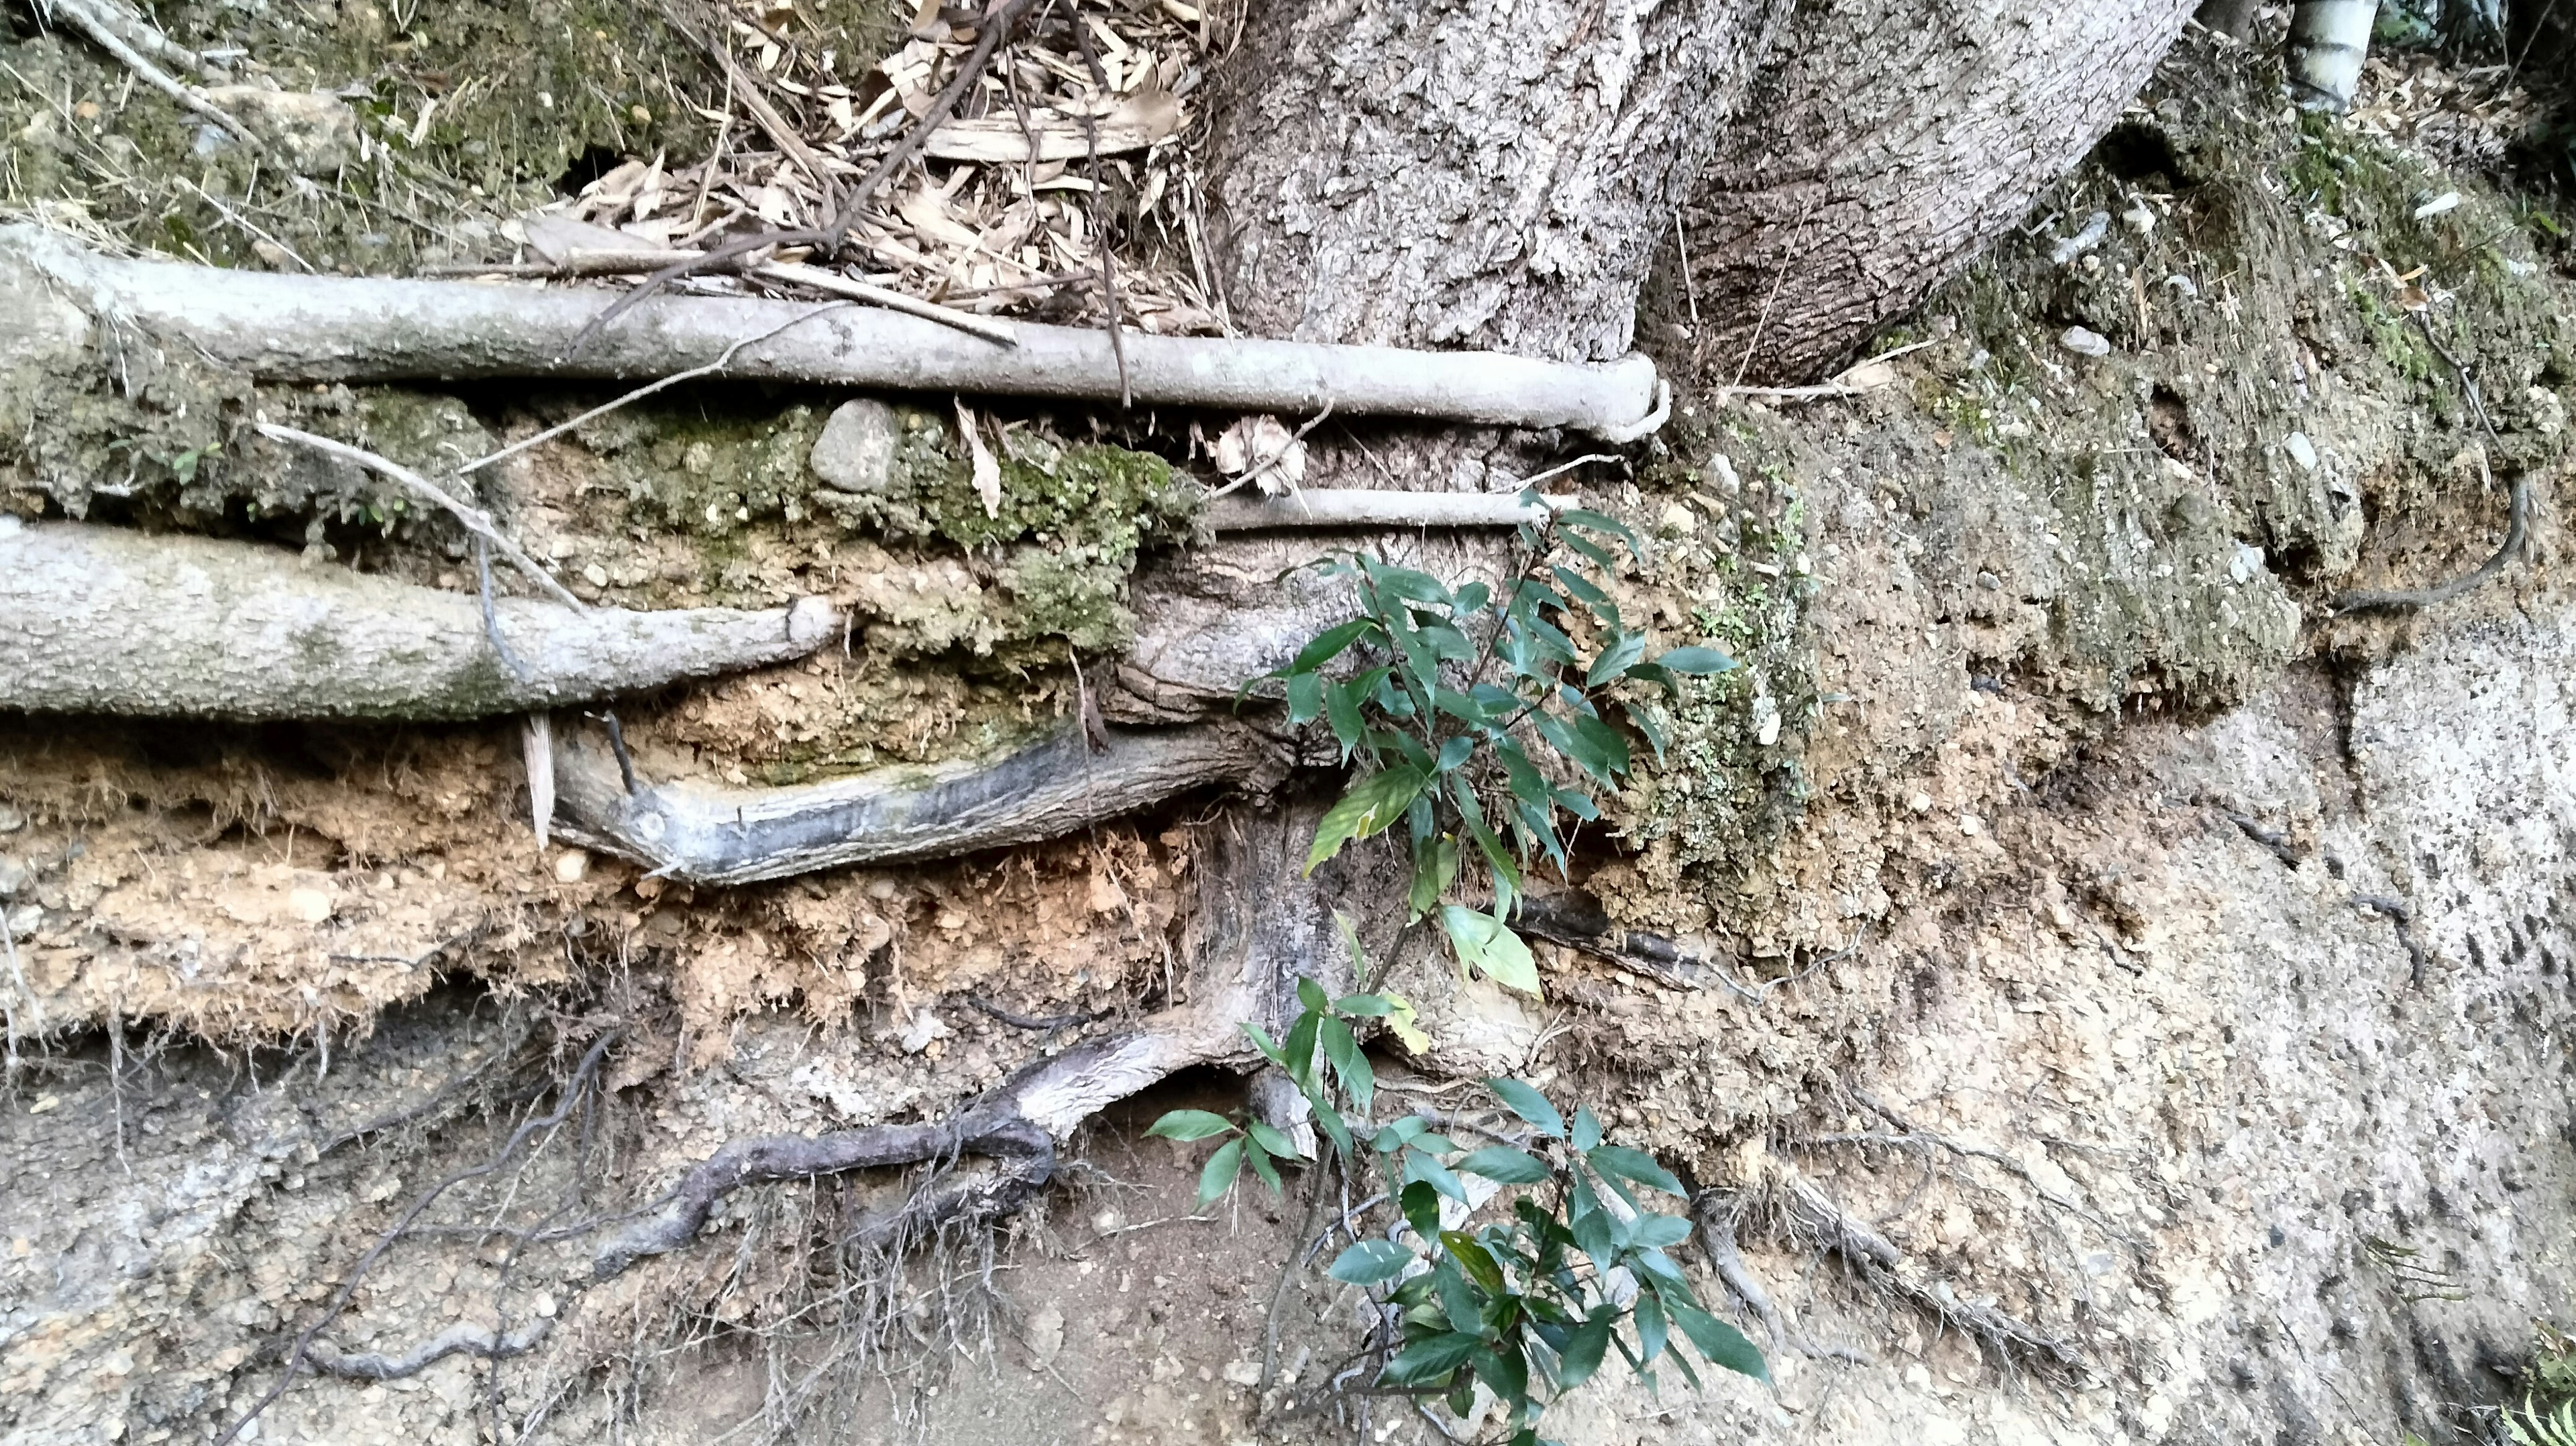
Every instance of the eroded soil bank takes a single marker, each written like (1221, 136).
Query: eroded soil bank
(2159, 961)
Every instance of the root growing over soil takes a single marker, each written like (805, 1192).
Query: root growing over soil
(109, 620)
(700, 833)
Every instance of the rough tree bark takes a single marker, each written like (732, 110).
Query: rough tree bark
(1468, 172)
(1882, 146)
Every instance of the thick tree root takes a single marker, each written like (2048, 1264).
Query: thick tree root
(322, 328)
(704, 834)
(108, 620)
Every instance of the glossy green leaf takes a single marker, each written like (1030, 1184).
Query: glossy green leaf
(1421, 1167)
(1698, 662)
(1373, 803)
(1421, 1206)
(1723, 1344)
(1186, 1125)
(1647, 720)
(1349, 1063)
(1305, 697)
(1582, 1354)
(1524, 1100)
(1606, 741)
(1429, 1359)
(1275, 1140)
(1331, 643)
(1217, 1176)
(1474, 1259)
(1363, 1006)
(1370, 1262)
(1455, 753)
(1510, 1166)
(1621, 1163)
(1587, 1130)
(1260, 1161)
(1658, 1231)
(1299, 1051)
(1591, 521)
(1485, 945)
(1651, 1328)
(1625, 650)
(1311, 995)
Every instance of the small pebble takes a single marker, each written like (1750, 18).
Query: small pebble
(312, 906)
(2085, 342)
(1971, 825)
(2301, 450)
(1920, 803)
(572, 866)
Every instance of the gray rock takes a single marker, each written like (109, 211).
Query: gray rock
(2085, 342)
(13, 876)
(856, 451)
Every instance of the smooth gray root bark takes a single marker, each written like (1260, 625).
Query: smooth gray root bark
(339, 329)
(1468, 172)
(2329, 40)
(1326, 507)
(1885, 144)
(713, 835)
(109, 620)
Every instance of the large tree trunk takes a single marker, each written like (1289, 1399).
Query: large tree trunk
(1468, 172)
(1882, 146)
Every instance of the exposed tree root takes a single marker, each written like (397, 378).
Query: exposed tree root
(109, 620)
(1372, 507)
(323, 328)
(1578, 922)
(706, 834)
(1809, 1217)
(459, 1339)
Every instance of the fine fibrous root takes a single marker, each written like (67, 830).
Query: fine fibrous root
(1809, 1216)
(110, 620)
(701, 833)
(55, 293)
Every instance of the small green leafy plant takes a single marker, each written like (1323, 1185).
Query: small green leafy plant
(1528, 1302)
(1453, 690)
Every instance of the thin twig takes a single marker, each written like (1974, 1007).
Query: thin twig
(995, 332)
(1099, 233)
(722, 361)
(152, 75)
(474, 519)
(830, 239)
